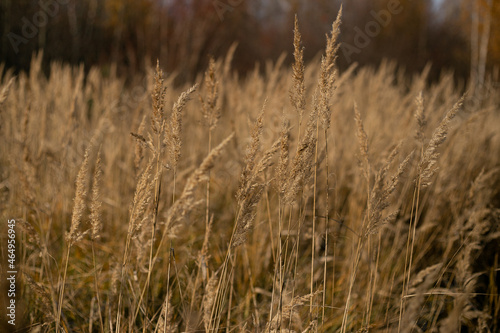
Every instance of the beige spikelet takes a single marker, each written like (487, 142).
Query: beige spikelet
(96, 202)
(142, 198)
(165, 323)
(328, 74)
(428, 163)
(209, 299)
(158, 98)
(75, 234)
(303, 161)
(186, 201)
(381, 193)
(421, 284)
(289, 310)
(210, 109)
(363, 143)
(251, 187)
(298, 91)
(282, 170)
(174, 135)
(420, 118)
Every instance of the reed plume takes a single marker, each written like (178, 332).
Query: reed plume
(427, 166)
(75, 234)
(297, 92)
(96, 202)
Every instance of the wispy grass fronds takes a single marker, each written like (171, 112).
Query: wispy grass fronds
(298, 91)
(420, 285)
(142, 198)
(251, 188)
(44, 297)
(328, 73)
(175, 131)
(96, 200)
(303, 161)
(209, 299)
(33, 239)
(158, 99)
(282, 170)
(289, 311)
(363, 143)
(420, 118)
(187, 200)
(210, 109)
(250, 154)
(381, 193)
(75, 234)
(427, 166)
(165, 323)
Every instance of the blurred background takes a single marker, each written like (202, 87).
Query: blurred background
(458, 35)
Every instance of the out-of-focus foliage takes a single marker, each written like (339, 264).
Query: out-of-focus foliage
(183, 33)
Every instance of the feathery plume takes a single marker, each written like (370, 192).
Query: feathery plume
(142, 198)
(381, 192)
(208, 299)
(297, 92)
(363, 142)
(328, 74)
(422, 283)
(427, 166)
(96, 203)
(165, 322)
(186, 201)
(420, 117)
(251, 188)
(250, 194)
(158, 97)
(75, 234)
(43, 295)
(251, 153)
(288, 312)
(211, 112)
(303, 161)
(284, 159)
(175, 132)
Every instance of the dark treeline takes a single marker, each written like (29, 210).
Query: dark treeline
(183, 33)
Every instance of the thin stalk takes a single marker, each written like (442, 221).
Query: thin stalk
(327, 208)
(351, 284)
(313, 245)
(153, 231)
(168, 290)
(374, 275)
(301, 216)
(97, 288)
(414, 231)
(207, 209)
(228, 321)
(277, 265)
(61, 294)
(333, 275)
(403, 291)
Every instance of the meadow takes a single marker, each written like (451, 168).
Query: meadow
(298, 199)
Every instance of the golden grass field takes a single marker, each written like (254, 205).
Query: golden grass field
(293, 199)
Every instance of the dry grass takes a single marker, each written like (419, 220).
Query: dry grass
(379, 212)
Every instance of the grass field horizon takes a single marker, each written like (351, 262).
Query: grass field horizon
(292, 199)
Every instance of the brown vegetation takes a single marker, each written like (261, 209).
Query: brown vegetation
(301, 199)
